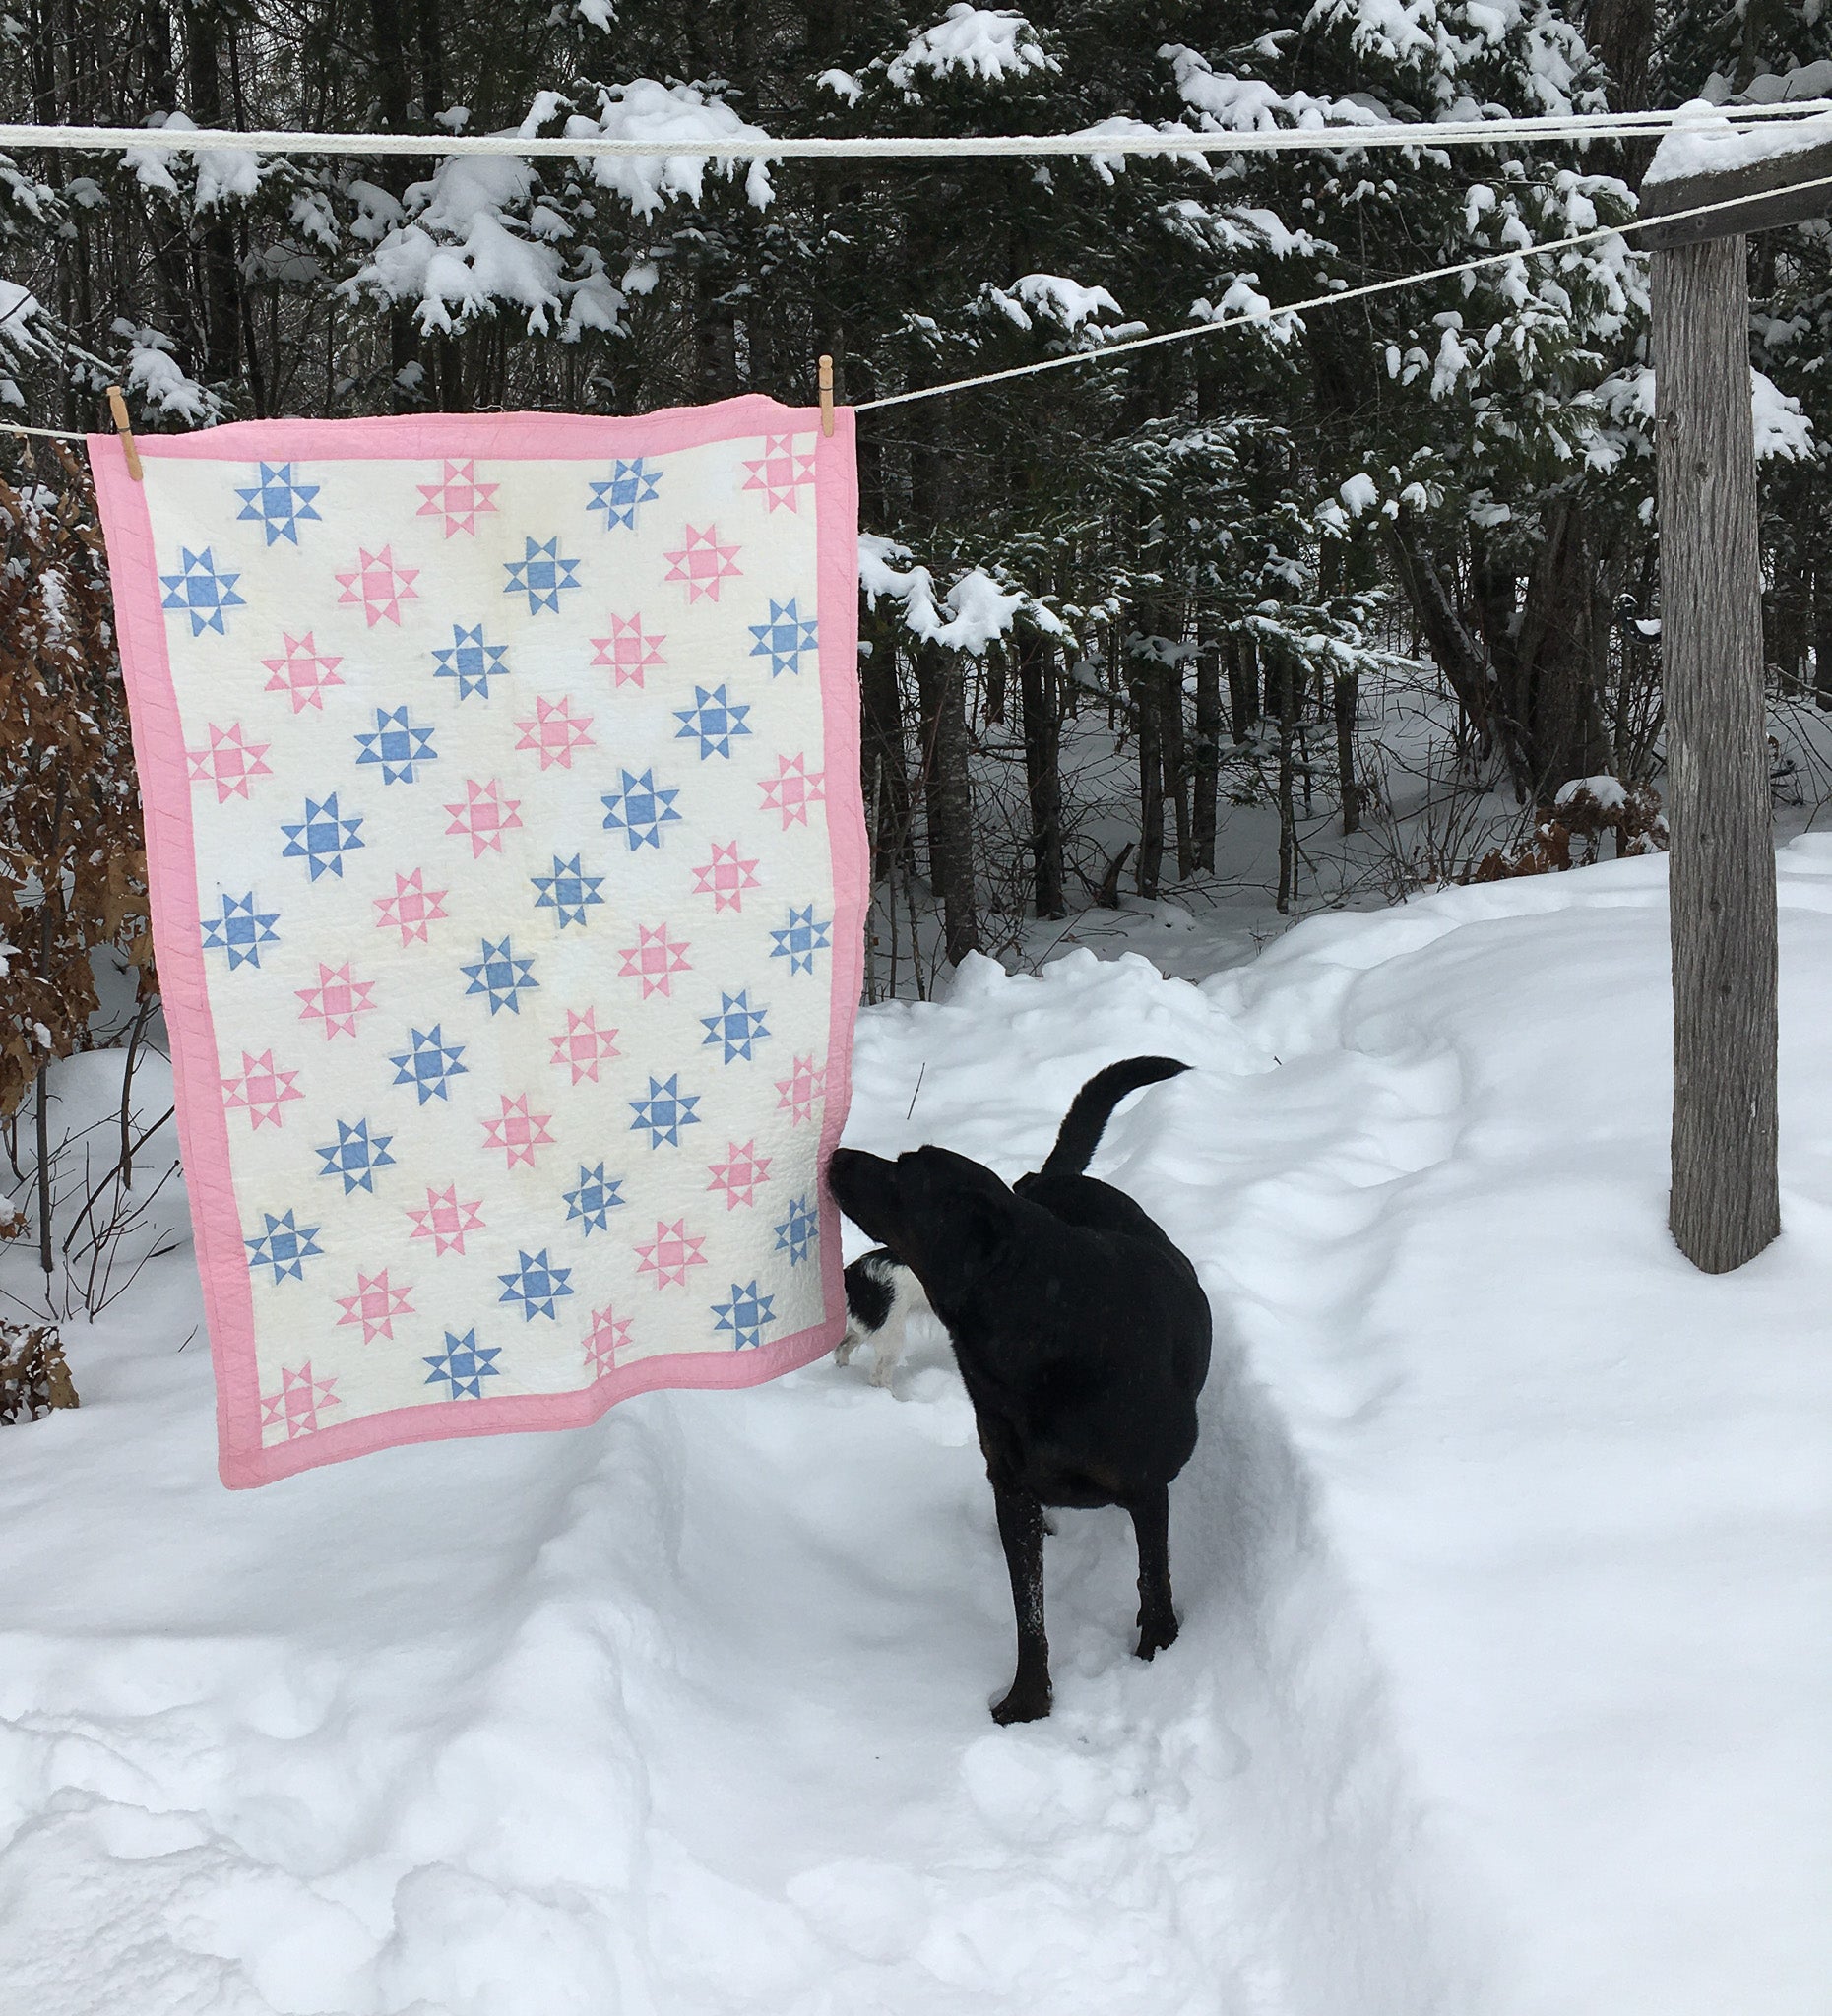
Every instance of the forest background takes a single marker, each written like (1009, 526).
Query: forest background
(1214, 565)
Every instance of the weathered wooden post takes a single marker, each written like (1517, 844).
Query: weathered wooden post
(1726, 1204)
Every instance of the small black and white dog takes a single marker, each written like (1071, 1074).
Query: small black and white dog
(1081, 1332)
(881, 1297)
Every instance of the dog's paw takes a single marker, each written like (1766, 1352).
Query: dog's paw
(1156, 1637)
(1023, 1704)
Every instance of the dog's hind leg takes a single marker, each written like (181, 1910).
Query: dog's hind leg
(1151, 1523)
(1021, 1530)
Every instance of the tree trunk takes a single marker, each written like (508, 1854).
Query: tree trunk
(42, 1109)
(1280, 658)
(926, 659)
(997, 678)
(1206, 768)
(430, 23)
(395, 94)
(1787, 619)
(1042, 735)
(881, 750)
(1176, 770)
(1347, 694)
(950, 800)
(1621, 32)
(1725, 1203)
(715, 337)
(1147, 683)
(1243, 684)
(1822, 629)
(1456, 651)
(204, 29)
(1555, 671)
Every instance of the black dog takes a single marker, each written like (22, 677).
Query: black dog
(1082, 1335)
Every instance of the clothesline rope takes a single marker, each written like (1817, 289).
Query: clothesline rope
(1252, 317)
(42, 433)
(1139, 139)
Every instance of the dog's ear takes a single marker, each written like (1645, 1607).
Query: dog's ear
(965, 1212)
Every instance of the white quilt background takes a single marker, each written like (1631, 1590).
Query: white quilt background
(517, 902)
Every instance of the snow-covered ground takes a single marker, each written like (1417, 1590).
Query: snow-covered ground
(1503, 1566)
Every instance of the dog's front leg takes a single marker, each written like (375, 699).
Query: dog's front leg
(1151, 1523)
(1021, 1530)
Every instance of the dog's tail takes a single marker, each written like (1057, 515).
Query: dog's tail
(1085, 1120)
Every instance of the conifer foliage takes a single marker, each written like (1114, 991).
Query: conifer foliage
(1210, 550)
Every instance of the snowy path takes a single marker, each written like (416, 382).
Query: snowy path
(687, 1716)
(1497, 1573)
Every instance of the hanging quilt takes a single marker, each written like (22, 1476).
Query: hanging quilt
(507, 870)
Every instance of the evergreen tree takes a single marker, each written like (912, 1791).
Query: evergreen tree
(1211, 541)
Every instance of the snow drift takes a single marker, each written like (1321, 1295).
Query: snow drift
(1502, 1566)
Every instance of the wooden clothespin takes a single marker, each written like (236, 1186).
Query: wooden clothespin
(117, 405)
(827, 396)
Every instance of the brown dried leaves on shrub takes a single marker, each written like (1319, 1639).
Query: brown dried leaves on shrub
(1583, 812)
(33, 1377)
(73, 870)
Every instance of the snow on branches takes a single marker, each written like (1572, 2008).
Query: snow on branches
(488, 232)
(975, 612)
(980, 42)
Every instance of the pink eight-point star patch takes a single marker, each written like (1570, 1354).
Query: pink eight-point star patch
(303, 672)
(458, 497)
(380, 584)
(701, 563)
(792, 789)
(609, 1333)
(555, 734)
(585, 1045)
(295, 1407)
(231, 762)
(485, 814)
(260, 1089)
(629, 651)
(412, 907)
(446, 1220)
(655, 959)
(781, 471)
(669, 1254)
(337, 1000)
(374, 1305)
(726, 877)
(741, 1174)
(517, 1131)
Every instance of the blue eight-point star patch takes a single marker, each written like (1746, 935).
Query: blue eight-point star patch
(623, 493)
(241, 930)
(537, 1284)
(202, 592)
(279, 501)
(322, 838)
(665, 1111)
(541, 573)
(640, 807)
(745, 1315)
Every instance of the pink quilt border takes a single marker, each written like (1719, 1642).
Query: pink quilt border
(159, 750)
